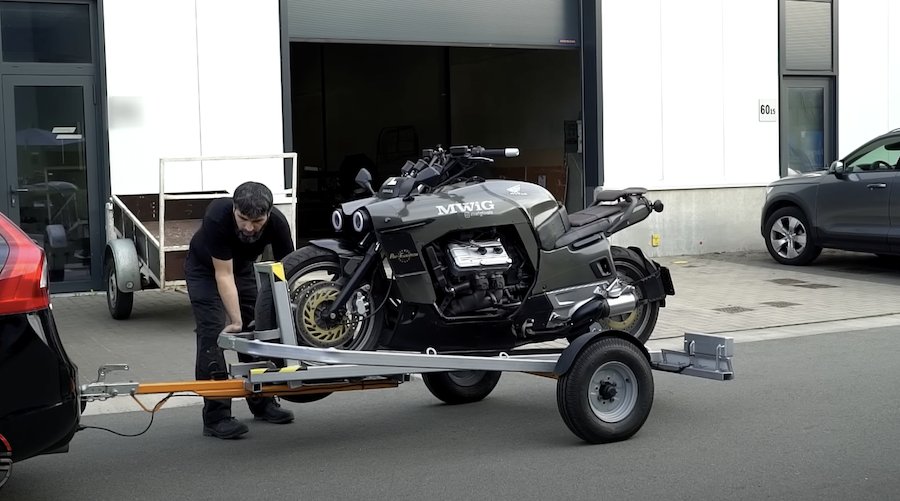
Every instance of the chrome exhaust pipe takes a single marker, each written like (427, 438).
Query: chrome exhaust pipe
(604, 308)
(622, 304)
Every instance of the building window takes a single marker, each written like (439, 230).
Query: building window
(35, 32)
(807, 35)
(808, 67)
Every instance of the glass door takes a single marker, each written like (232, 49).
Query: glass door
(807, 128)
(51, 172)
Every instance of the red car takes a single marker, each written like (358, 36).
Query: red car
(39, 393)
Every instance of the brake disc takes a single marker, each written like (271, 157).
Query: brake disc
(314, 326)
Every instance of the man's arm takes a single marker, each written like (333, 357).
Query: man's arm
(229, 293)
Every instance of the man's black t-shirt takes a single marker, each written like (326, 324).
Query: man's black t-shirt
(218, 238)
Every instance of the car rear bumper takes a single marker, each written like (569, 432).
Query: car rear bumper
(40, 403)
(41, 431)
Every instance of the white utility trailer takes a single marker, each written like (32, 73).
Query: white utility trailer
(147, 235)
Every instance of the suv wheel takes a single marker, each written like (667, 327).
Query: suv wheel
(788, 239)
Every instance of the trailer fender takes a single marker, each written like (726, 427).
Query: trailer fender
(575, 347)
(125, 259)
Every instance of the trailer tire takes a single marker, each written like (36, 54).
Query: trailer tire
(461, 387)
(304, 398)
(641, 321)
(607, 394)
(119, 303)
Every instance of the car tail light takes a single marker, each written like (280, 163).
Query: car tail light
(23, 277)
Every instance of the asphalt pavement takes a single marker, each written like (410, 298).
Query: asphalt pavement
(809, 417)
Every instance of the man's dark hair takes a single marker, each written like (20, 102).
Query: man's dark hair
(253, 199)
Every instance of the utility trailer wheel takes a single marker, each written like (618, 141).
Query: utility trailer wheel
(304, 398)
(461, 387)
(118, 302)
(607, 393)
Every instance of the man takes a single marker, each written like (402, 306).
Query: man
(222, 288)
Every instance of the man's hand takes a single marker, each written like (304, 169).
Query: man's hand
(228, 292)
(233, 328)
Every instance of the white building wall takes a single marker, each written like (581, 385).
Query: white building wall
(682, 83)
(151, 80)
(868, 71)
(193, 78)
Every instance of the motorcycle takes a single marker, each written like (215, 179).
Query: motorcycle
(438, 260)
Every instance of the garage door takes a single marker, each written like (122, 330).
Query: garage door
(507, 23)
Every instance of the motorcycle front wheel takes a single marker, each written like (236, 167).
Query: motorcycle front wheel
(311, 268)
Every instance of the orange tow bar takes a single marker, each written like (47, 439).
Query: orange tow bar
(234, 388)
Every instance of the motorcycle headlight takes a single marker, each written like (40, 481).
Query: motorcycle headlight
(361, 221)
(337, 219)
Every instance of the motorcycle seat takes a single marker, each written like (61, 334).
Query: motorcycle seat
(577, 233)
(601, 195)
(593, 214)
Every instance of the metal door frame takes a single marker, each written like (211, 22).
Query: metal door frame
(92, 161)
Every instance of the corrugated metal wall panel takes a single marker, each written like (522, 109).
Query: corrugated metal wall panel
(538, 23)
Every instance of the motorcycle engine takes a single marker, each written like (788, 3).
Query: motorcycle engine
(485, 256)
(475, 273)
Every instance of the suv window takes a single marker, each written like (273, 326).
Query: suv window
(886, 151)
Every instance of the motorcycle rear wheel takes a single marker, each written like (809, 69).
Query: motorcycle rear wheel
(640, 321)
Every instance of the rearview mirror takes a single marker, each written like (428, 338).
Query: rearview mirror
(364, 179)
(837, 168)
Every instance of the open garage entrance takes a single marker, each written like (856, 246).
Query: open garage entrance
(376, 106)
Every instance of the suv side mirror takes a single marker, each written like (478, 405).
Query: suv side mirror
(364, 179)
(837, 167)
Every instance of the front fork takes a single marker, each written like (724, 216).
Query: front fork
(355, 281)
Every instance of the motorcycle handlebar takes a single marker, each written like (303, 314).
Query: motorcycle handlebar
(495, 152)
(440, 159)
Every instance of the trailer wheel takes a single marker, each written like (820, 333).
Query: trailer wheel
(304, 398)
(118, 302)
(461, 387)
(607, 394)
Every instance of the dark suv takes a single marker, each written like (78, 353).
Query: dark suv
(39, 394)
(850, 206)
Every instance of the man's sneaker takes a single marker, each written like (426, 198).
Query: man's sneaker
(273, 413)
(226, 428)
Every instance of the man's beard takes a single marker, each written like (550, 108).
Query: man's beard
(249, 239)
